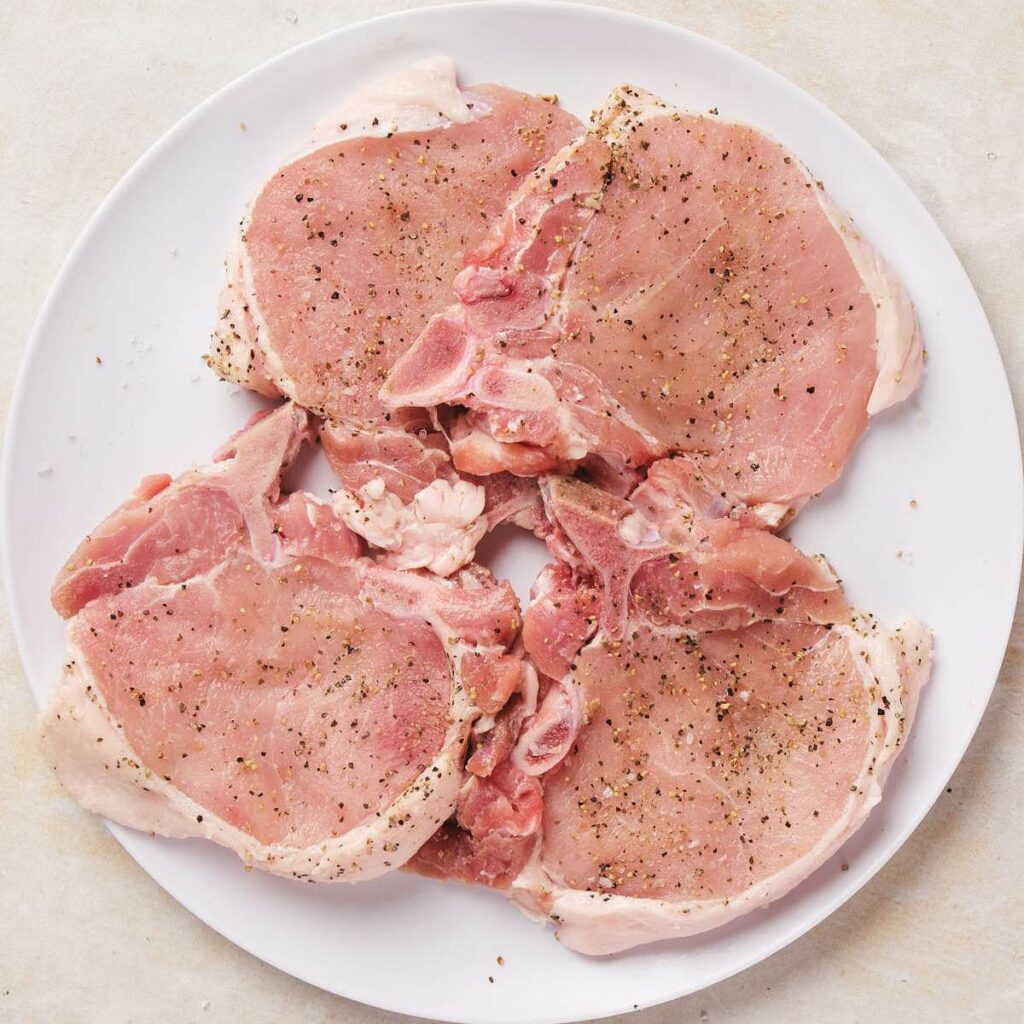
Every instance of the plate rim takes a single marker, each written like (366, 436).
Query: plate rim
(896, 839)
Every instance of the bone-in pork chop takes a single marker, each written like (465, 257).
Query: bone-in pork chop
(720, 720)
(236, 669)
(669, 283)
(344, 255)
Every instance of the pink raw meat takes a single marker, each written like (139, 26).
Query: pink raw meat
(237, 670)
(666, 339)
(719, 722)
(170, 531)
(492, 836)
(669, 283)
(345, 254)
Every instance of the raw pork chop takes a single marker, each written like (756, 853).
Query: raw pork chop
(719, 721)
(669, 283)
(344, 255)
(237, 670)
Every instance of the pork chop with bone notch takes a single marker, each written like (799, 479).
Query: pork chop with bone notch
(738, 720)
(237, 670)
(716, 722)
(669, 284)
(344, 254)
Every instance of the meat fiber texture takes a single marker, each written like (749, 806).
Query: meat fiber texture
(669, 283)
(344, 255)
(718, 723)
(674, 310)
(237, 669)
(666, 340)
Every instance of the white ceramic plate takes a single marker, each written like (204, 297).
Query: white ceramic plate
(139, 291)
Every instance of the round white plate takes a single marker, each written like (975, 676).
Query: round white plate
(139, 291)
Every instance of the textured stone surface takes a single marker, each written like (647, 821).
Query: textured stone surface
(85, 936)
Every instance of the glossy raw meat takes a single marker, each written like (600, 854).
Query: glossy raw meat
(720, 721)
(345, 254)
(236, 669)
(669, 283)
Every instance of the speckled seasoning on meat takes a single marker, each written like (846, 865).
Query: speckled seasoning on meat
(669, 283)
(344, 255)
(237, 669)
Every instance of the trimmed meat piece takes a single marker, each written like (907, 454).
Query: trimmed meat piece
(237, 670)
(170, 531)
(669, 283)
(344, 255)
(493, 834)
(405, 463)
(727, 722)
(402, 494)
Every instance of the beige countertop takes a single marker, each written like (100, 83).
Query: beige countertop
(87, 85)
